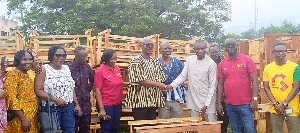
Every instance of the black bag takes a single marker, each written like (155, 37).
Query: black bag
(49, 121)
(10, 115)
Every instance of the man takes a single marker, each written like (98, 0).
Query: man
(146, 79)
(83, 76)
(236, 73)
(217, 57)
(281, 84)
(201, 72)
(172, 67)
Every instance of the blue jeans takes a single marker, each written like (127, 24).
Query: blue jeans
(66, 117)
(111, 126)
(239, 116)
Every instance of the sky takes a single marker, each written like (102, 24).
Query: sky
(243, 16)
(268, 12)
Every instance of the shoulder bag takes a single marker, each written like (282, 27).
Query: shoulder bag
(49, 120)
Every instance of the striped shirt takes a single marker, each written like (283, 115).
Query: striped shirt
(139, 96)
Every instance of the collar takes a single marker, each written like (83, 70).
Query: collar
(238, 56)
(151, 58)
(105, 67)
(75, 65)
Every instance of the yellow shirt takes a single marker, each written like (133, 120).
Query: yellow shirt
(280, 80)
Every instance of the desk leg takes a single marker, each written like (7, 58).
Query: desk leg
(268, 123)
(131, 130)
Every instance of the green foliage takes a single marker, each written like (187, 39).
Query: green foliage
(285, 27)
(173, 19)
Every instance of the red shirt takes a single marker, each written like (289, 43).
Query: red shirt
(237, 84)
(111, 85)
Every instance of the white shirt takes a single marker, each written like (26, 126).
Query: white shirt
(202, 83)
(59, 83)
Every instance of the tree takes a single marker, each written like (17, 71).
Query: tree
(173, 19)
(285, 27)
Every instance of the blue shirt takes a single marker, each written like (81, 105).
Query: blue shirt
(172, 71)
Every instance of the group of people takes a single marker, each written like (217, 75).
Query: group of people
(228, 86)
(216, 85)
(24, 91)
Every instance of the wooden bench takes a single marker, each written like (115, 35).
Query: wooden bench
(205, 127)
(185, 120)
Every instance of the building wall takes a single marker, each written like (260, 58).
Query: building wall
(7, 27)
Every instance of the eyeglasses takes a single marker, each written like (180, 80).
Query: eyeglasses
(61, 55)
(279, 51)
(149, 45)
(230, 44)
(166, 48)
(198, 49)
(214, 52)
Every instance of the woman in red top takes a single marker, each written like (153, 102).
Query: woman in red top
(108, 85)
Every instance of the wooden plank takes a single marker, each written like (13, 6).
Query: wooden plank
(269, 41)
(209, 127)
(55, 42)
(8, 44)
(8, 37)
(125, 38)
(60, 36)
(142, 122)
(296, 43)
(8, 49)
(263, 107)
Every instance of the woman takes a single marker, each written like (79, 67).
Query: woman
(31, 72)
(108, 86)
(20, 97)
(55, 79)
(3, 117)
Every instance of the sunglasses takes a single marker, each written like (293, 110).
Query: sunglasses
(61, 55)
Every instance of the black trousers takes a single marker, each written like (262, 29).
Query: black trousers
(144, 113)
(224, 118)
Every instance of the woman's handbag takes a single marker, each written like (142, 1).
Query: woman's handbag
(10, 115)
(49, 121)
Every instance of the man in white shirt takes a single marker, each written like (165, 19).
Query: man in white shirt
(201, 72)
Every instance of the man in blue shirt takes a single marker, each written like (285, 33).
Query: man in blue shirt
(172, 68)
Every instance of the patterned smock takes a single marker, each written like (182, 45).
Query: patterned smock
(3, 120)
(139, 96)
(19, 89)
(59, 83)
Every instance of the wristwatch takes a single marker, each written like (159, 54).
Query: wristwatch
(255, 98)
(285, 103)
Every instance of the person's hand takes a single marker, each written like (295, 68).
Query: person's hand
(39, 68)
(220, 109)
(25, 125)
(202, 111)
(161, 86)
(253, 105)
(77, 107)
(169, 87)
(102, 113)
(2, 93)
(60, 102)
(5, 67)
(279, 108)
